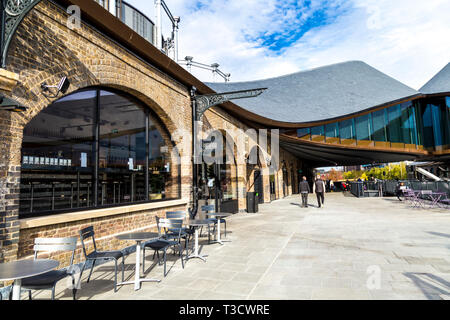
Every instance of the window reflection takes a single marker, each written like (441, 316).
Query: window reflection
(122, 150)
(347, 132)
(61, 154)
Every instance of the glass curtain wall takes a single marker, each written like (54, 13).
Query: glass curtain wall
(95, 148)
(396, 127)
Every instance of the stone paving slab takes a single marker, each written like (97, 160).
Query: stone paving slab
(372, 248)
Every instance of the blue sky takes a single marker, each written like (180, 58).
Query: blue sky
(254, 39)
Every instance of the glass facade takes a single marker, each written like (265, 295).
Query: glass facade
(91, 149)
(137, 21)
(412, 125)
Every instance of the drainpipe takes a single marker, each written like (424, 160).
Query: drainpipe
(158, 26)
(193, 211)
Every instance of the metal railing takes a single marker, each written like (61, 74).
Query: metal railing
(389, 188)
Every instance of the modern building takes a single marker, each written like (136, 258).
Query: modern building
(105, 150)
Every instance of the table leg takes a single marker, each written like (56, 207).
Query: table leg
(196, 254)
(218, 231)
(16, 289)
(137, 273)
(219, 240)
(137, 282)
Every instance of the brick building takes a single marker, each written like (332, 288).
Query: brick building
(106, 152)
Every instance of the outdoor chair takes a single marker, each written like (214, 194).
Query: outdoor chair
(48, 280)
(95, 255)
(166, 240)
(186, 233)
(426, 196)
(211, 208)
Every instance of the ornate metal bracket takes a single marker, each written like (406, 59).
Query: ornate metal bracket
(12, 13)
(205, 102)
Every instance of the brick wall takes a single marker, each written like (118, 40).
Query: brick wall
(44, 49)
(105, 228)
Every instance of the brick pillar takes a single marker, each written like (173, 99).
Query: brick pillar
(11, 137)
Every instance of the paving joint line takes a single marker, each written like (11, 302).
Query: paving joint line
(270, 266)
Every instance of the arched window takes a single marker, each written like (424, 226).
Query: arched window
(95, 148)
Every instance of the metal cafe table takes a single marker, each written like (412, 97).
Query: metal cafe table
(18, 270)
(197, 224)
(218, 216)
(138, 237)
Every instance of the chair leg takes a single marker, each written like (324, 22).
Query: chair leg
(143, 259)
(29, 295)
(165, 251)
(115, 275)
(181, 255)
(123, 268)
(225, 223)
(53, 293)
(81, 273)
(92, 268)
(74, 288)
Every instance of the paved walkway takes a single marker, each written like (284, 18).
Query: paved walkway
(353, 248)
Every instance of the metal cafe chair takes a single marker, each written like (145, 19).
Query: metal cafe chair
(186, 233)
(95, 255)
(427, 196)
(48, 280)
(211, 208)
(165, 240)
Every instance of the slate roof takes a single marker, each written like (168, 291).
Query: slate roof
(320, 94)
(439, 83)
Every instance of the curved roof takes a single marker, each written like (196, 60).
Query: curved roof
(439, 83)
(320, 94)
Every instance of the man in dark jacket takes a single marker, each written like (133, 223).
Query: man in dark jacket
(319, 186)
(304, 190)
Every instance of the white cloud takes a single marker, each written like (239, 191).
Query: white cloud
(407, 39)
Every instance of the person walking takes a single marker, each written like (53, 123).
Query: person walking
(319, 186)
(304, 190)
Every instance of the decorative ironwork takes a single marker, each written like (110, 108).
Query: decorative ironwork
(205, 102)
(12, 14)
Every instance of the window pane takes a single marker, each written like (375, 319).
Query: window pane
(163, 172)
(332, 132)
(428, 135)
(406, 124)
(57, 156)
(379, 125)
(122, 150)
(363, 128)
(317, 134)
(437, 128)
(394, 125)
(347, 131)
(304, 133)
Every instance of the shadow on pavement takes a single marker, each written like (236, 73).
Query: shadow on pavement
(431, 285)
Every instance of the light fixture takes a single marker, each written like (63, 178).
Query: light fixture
(8, 104)
(62, 87)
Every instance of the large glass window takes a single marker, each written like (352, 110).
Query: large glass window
(427, 118)
(58, 156)
(347, 132)
(332, 132)
(364, 130)
(379, 120)
(304, 133)
(91, 149)
(394, 127)
(318, 134)
(122, 150)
